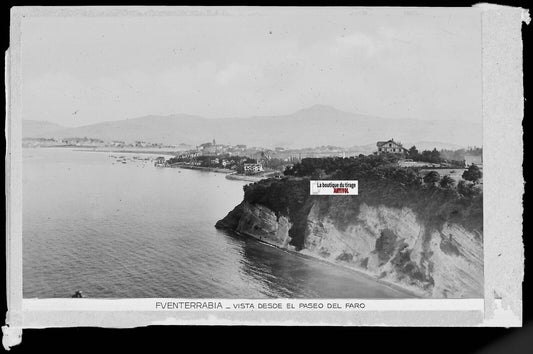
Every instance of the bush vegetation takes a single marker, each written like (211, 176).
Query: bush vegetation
(381, 182)
(472, 174)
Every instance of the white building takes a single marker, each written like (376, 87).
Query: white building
(473, 160)
(253, 168)
(160, 161)
(411, 163)
(391, 147)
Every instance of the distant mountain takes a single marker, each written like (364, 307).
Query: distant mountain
(314, 126)
(38, 129)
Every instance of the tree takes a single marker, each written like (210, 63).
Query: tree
(447, 182)
(431, 156)
(412, 153)
(435, 156)
(473, 174)
(466, 189)
(318, 174)
(431, 178)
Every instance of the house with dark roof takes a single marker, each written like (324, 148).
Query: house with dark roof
(390, 147)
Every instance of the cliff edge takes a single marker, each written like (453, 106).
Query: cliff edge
(424, 238)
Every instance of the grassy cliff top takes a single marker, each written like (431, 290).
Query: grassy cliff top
(381, 182)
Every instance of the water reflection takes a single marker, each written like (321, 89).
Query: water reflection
(137, 232)
(288, 275)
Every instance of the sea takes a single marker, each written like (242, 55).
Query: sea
(113, 225)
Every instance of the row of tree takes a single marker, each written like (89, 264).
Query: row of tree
(430, 156)
(459, 154)
(473, 174)
(455, 157)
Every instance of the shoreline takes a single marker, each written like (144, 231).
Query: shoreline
(411, 292)
(237, 177)
(107, 150)
(201, 168)
(151, 152)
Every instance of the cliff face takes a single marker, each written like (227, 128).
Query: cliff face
(394, 244)
(259, 222)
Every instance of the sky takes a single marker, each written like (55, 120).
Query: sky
(419, 64)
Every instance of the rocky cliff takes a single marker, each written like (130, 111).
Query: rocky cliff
(431, 253)
(259, 222)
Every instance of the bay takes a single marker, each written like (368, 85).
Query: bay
(131, 230)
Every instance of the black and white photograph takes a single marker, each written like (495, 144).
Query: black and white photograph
(326, 155)
(172, 157)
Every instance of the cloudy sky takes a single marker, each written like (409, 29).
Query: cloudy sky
(395, 64)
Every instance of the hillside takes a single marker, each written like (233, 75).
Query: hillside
(39, 129)
(423, 237)
(314, 126)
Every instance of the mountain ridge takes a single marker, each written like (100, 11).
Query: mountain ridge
(313, 126)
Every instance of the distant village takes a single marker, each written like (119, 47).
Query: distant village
(241, 159)
(271, 163)
(90, 143)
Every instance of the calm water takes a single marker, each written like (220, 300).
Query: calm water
(118, 230)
